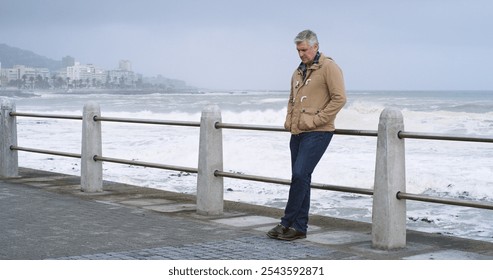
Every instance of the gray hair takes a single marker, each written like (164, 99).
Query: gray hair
(306, 36)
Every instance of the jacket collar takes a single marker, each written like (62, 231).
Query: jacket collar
(315, 65)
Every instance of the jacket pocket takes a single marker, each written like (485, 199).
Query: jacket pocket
(307, 119)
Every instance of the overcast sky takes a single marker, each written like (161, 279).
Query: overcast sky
(216, 44)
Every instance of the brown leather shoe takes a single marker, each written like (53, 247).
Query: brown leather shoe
(292, 234)
(276, 231)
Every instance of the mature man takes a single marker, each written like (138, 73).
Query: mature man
(317, 95)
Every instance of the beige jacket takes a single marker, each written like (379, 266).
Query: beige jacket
(315, 101)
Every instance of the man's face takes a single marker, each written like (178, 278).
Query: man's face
(306, 52)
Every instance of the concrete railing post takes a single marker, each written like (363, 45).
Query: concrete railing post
(389, 213)
(91, 178)
(210, 189)
(9, 162)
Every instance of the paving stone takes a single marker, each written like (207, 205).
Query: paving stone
(338, 237)
(238, 249)
(146, 201)
(448, 255)
(170, 208)
(247, 221)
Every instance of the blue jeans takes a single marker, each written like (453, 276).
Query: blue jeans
(306, 151)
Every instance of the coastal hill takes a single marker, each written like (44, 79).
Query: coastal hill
(10, 56)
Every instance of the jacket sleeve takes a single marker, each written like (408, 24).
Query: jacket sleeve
(337, 95)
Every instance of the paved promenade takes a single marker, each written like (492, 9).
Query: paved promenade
(44, 215)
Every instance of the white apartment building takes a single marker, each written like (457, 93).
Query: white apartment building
(86, 72)
(121, 77)
(125, 65)
(21, 72)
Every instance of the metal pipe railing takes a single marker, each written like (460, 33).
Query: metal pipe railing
(353, 132)
(250, 127)
(221, 125)
(146, 164)
(436, 136)
(48, 116)
(48, 152)
(288, 182)
(146, 121)
(441, 200)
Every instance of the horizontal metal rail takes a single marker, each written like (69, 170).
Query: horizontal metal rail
(440, 200)
(146, 164)
(433, 136)
(355, 132)
(48, 116)
(218, 125)
(250, 127)
(146, 121)
(342, 189)
(288, 182)
(282, 129)
(192, 124)
(48, 152)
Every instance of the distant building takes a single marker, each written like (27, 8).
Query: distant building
(121, 78)
(125, 65)
(68, 61)
(73, 74)
(22, 72)
(86, 73)
(21, 75)
(8, 74)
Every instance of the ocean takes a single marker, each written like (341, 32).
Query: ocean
(439, 168)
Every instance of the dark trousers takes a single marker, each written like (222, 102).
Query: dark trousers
(306, 151)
